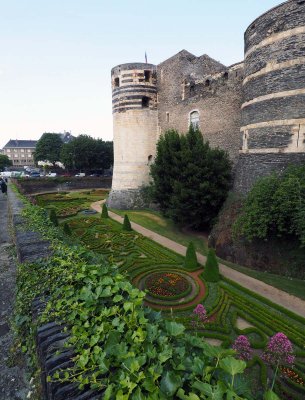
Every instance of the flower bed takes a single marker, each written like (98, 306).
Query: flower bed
(167, 285)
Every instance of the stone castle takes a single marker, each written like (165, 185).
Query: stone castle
(254, 109)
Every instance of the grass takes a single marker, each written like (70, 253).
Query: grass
(154, 221)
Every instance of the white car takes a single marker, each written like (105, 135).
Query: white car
(81, 174)
(52, 174)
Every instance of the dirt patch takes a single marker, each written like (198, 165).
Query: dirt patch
(243, 324)
(213, 342)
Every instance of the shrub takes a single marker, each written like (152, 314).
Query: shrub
(67, 229)
(211, 269)
(104, 211)
(126, 224)
(190, 261)
(53, 217)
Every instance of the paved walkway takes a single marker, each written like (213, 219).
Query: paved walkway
(277, 296)
(13, 382)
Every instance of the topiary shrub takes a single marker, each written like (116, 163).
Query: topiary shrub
(104, 211)
(67, 229)
(211, 269)
(190, 261)
(53, 217)
(126, 224)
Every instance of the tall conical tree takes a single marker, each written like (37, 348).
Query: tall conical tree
(211, 269)
(53, 217)
(104, 211)
(190, 261)
(67, 229)
(126, 224)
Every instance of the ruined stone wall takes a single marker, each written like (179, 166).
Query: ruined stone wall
(273, 111)
(214, 91)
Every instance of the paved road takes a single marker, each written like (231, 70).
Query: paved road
(277, 296)
(13, 382)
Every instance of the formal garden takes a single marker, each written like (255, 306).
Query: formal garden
(222, 312)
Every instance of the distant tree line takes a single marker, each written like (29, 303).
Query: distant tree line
(82, 153)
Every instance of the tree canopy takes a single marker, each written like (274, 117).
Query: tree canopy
(190, 179)
(275, 207)
(48, 148)
(4, 162)
(86, 153)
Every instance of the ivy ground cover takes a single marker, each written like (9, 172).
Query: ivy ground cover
(232, 310)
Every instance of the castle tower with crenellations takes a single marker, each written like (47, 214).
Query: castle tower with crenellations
(255, 110)
(135, 128)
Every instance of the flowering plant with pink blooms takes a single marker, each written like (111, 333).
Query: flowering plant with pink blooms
(199, 315)
(243, 348)
(279, 352)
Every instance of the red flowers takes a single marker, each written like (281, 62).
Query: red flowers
(166, 284)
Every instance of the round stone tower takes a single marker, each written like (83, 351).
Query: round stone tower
(273, 110)
(135, 127)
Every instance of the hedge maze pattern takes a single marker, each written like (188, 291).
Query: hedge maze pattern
(226, 302)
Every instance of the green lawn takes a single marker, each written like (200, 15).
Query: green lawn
(154, 221)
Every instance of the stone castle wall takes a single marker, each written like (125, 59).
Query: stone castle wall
(216, 95)
(254, 110)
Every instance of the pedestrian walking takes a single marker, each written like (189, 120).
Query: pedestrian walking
(3, 186)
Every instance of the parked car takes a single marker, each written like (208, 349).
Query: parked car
(34, 174)
(81, 174)
(52, 174)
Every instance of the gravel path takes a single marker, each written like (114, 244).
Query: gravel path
(13, 381)
(277, 296)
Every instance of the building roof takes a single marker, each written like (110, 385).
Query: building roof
(20, 143)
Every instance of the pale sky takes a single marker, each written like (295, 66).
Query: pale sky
(56, 55)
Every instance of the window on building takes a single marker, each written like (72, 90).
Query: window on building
(117, 82)
(167, 117)
(29, 150)
(22, 155)
(145, 101)
(15, 150)
(147, 76)
(16, 155)
(22, 150)
(194, 119)
(29, 156)
(8, 150)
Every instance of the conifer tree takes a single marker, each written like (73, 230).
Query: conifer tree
(126, 224)
(104, 211)
(67, 229)
(211, 269)
(53, 217)
(190, 261)
(190, 179)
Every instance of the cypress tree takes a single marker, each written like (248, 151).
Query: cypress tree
(53, 217)
(211, 269)
(104, 211)
(126, 224)
(190, 261)
(67, 229)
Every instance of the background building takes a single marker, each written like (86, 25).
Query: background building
(20, 152)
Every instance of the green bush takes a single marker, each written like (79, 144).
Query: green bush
(211, 269)
(275, 207)
(190, 261)
(53, 217)
(104, 211)
(126, 224)
(67, 229)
